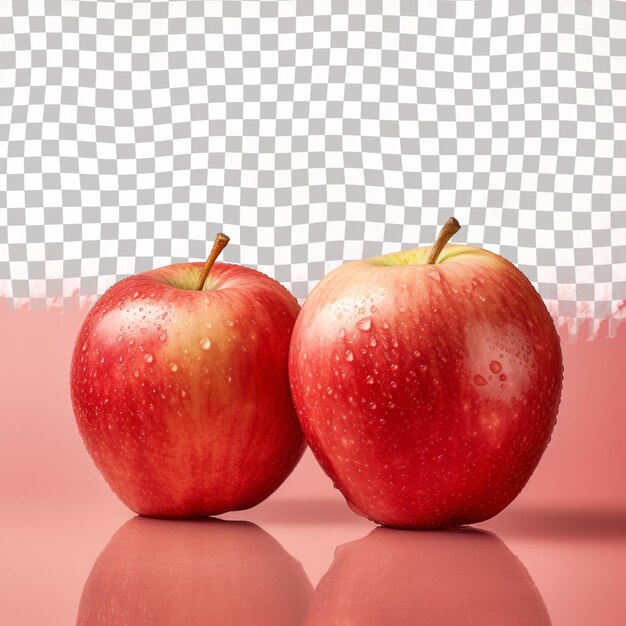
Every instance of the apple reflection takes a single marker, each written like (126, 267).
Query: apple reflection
(194, 572)
(440, 578)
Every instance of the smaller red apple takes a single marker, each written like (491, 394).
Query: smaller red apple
(180, 389)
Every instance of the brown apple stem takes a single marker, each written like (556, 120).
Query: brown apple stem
(445, 234)
(218, 245)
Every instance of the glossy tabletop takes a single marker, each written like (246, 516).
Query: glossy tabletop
(71, 553)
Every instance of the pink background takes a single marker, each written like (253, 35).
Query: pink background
(568, 527)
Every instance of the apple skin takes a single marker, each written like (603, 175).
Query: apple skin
(182, 397)
(451, 577)
(427, 393)
(192, 572)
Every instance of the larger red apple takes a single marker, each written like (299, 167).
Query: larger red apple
(427, 383)
(182, 395)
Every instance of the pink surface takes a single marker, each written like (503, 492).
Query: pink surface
(568, 527)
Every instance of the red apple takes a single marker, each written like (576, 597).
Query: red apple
(446, 578)
(194, 572)
(182, 395)
(427, 383)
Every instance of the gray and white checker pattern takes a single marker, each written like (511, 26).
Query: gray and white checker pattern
(312, 133)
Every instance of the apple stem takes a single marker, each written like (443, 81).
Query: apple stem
(218, 245)
(445, 234)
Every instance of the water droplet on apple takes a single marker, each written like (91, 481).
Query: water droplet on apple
(84, 346)
(121, 359)
(120, 338)
(423, 367)
(495, 366)
(163, 335)
(102, 360)
(364, 324)
(143, 331)
(342, 333)
(148, 358)
(394, 366)
(502, 376)
(394, 342)
(385, 325)
(373, 308)
(132, 342)
(369, 380)
(372, 406)
(173, 366)
(136, 374)
(434, 275)
(373, 342)
(349, 355)
(183, 393)
(230, 323)
(205, 344)
(329, 391)
(479, 380)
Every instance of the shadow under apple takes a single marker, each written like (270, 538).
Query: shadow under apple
(194, 572)
(463, 576)
(597, 524)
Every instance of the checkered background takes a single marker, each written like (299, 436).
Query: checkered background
(312, 133)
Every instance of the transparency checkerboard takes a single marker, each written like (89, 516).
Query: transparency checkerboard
(312, 133)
